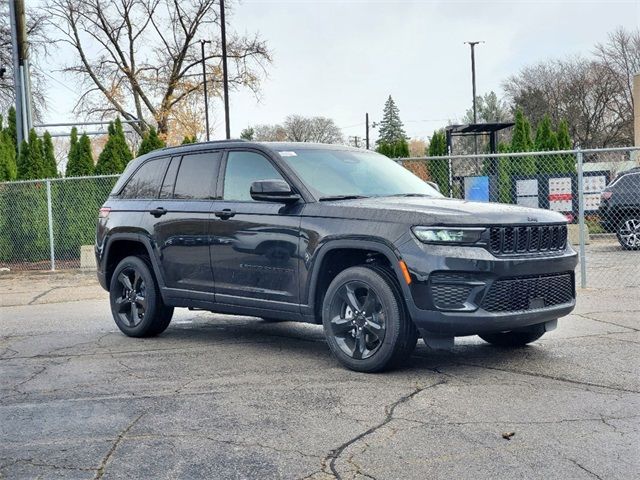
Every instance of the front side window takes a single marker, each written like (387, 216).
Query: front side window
(244, 168)
(197, 176)
(145, 183)
(330, 173)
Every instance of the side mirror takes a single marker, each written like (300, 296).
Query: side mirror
(273, 191)
(433, 185)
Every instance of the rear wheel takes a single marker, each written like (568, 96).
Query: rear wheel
(365, 322)
(136, 304)
(515, 338)
(628, 233)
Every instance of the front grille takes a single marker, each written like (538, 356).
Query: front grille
(450, 296)
(529, 293)
(522, 240)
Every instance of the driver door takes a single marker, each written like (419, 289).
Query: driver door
(255, 254)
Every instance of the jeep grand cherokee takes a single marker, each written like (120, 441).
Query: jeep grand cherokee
(332, 235)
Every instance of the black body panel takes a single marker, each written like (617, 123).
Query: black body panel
(270, 259)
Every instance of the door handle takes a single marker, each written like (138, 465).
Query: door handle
(225, 214)
(158, 212)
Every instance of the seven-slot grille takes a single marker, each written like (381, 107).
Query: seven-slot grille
(529, 293)
(529, 239)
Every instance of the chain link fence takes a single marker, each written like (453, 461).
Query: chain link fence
(598, 191)
(44, 223)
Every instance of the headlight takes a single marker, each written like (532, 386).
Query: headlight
(451, 235)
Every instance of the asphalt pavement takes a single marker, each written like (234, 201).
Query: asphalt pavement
(224, 397)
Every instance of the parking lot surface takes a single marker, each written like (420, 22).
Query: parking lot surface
(235, 397)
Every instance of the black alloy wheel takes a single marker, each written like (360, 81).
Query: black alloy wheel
(365, 322)
(136, 303)
(131, 303)
(357, 320)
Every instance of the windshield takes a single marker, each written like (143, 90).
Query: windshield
(346, 173)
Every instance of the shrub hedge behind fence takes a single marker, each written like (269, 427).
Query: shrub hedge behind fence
(24, 219)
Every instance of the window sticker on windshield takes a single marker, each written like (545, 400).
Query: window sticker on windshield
(288, 154)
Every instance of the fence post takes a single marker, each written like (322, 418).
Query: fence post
(50, 215)
(582, 236)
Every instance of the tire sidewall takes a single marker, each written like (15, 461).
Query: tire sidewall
(393, 318)
(153, 307)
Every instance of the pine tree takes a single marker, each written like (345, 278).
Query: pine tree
(116, 154)
(11, 128)
(150, 142)
(31, 159)
(521, 142)
(71, 156)
(546, 141)
(8, 168)
(247, 134)
(49, 156)
(391, 127)
(80, 162)
(439, 169)
(565, 143)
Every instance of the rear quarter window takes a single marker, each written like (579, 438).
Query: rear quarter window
(146, 181)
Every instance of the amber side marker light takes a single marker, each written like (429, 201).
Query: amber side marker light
(405, 272)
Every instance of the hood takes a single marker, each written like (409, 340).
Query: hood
(435, 211)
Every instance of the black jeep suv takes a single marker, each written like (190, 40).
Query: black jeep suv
(619, 209)
(327, 234)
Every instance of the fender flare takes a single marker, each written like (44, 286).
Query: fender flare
(143, 240)
(377, 245)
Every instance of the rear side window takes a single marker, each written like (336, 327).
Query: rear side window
(145, 183)
(170, 178)
(244, 168)
(628, 183)
(197, 176)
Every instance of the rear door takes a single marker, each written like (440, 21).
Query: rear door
(180, 218)
(256, 250)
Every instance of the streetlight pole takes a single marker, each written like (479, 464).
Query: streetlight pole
(473, 85)
(225, 79)
(204, 81)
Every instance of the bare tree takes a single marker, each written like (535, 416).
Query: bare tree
(38, 40)
(297, 128)
(583, 91)
(620, 55)
(141, 58)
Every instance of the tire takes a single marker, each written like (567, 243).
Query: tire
(515, 338)
(365, 321)
(136, 304)
(628, 232)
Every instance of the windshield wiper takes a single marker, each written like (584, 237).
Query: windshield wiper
(341, 197)
(410, 195)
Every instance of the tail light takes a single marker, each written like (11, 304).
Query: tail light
(104, 212)
(606, 195)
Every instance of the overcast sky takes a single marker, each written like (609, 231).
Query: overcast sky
(340, 59)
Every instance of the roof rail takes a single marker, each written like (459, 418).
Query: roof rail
(231, 140)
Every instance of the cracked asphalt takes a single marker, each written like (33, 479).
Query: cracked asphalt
(235, 397)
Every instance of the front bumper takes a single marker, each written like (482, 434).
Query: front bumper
(484, 293)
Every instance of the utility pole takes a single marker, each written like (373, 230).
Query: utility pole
(473, 85)
(225, 79)
(366, 120)
(20, 69)
(204, 81)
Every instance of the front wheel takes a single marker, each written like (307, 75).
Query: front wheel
(628, 233)
(365, 322)
(136, 304)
